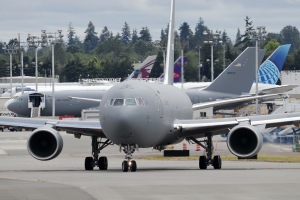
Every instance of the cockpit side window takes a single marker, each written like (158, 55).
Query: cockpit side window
(118, 102)
(109, 102)
(130, 102)
(141, 101)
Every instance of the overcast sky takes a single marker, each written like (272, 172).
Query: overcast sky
(31, 16)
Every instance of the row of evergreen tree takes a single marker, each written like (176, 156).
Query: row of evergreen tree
(111, 56)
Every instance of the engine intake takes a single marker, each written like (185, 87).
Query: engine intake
(45, 143)
(244, 141)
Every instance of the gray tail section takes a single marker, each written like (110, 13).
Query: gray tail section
(238, 77)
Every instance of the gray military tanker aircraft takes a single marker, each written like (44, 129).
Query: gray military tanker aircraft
(133, 118)
(142, 115)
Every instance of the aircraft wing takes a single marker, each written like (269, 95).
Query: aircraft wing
(89, 128)
(230, 101)
(198, 128)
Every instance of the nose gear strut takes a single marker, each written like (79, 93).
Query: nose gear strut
(128, 163)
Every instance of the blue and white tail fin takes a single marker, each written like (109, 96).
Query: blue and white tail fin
(238, 77)
(144, 69)
(269, 70)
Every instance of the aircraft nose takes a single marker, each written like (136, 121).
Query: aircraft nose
(124, 126)
(120, 127)
(10, 105)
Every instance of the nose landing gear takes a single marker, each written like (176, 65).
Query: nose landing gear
(128, 163)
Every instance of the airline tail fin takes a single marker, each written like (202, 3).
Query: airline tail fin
(177, 69)
(269, 71)
(238, 77)
(145, 68)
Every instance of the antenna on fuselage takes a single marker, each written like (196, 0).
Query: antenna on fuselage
(169, 79)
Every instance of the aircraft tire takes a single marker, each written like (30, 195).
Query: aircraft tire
(202, 162)
(125, 166)
(217, 162)
(102, 162)
(133, 166)
(88, 163)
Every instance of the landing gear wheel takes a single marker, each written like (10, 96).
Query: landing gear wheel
(133, 166)
(89, 163)
(102, 163)
(202, 162)
(125, 166)
(217, 162)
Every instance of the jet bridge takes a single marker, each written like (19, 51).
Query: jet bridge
(36, 102)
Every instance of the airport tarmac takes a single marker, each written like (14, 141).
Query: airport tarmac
(23, 177)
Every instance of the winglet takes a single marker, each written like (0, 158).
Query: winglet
(170, 48)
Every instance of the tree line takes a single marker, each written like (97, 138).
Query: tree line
(105, 55)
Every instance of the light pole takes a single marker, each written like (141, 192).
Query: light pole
(163, 49)
(224, 51)
(11, 48)
(182, 61)
(257, 34)
(34, 41)
(52, 38)
(213, 39)
(21, 48)
(200, 65)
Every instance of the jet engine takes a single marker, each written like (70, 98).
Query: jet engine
(45, 143)
(244, 141)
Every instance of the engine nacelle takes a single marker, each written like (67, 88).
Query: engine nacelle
(45, 143)
(244, 141)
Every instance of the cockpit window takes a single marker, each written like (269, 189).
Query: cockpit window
(130, 102)
(118, 102)
(19, 99)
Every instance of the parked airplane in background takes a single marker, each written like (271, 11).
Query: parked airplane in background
(73, 102)
(142, 114)
(275, 60)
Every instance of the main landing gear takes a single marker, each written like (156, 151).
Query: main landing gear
(209, 159)
(128, 163)
(97, 146)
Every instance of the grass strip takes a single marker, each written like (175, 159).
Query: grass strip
(285, 158)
